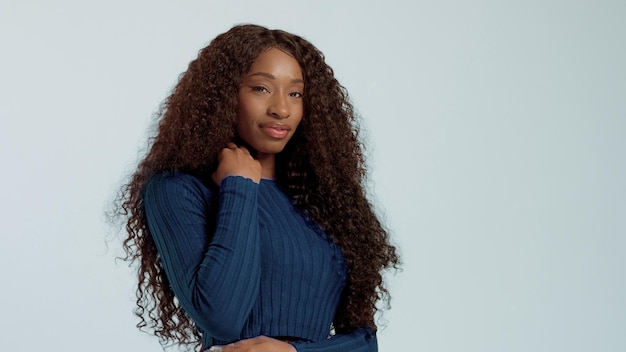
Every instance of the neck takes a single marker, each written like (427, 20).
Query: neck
(268, 165)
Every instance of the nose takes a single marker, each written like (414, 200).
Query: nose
(279, 107)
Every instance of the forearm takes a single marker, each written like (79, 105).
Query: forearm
(360, 340)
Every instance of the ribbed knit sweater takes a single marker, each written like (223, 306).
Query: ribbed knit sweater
(259, 267)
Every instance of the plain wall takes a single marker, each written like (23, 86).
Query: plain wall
(495, 133)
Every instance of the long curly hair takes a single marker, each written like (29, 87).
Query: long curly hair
(322, 169)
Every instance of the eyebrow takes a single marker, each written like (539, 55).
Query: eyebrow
(270, 76)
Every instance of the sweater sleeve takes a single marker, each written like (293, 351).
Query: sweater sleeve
(215, 276)
(360, 340)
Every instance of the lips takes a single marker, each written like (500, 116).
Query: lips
(276, 130)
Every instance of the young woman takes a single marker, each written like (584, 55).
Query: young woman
(248, 215)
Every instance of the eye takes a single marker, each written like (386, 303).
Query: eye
(295, 94)
(259, 89)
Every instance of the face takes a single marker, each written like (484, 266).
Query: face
(270, 104)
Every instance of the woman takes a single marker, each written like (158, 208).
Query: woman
(248, 214)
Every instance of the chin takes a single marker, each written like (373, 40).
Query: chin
(270, 149)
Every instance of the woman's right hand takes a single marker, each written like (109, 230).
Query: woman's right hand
(256, 344)
(236, 161)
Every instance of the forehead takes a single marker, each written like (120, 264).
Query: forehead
(276, 62)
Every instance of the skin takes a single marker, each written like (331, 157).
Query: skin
(257, 344)
(269, 111)
(270, 108)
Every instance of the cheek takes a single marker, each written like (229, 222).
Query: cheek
(298, 124)
(240, 122)
(243, 115)
(300, 117)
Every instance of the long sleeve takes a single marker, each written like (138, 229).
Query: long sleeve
(215, 276)
(360, 340)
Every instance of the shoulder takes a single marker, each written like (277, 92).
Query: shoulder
(169, 187)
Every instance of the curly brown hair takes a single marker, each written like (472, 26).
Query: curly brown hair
(322, 169)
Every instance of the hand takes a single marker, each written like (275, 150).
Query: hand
(236, 161)
(256, 344)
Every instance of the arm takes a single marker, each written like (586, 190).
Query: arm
(214, 276)
(360, 340)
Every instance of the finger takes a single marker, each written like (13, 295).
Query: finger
(231, 145)
(245, 150)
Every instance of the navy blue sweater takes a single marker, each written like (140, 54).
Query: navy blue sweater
(260, 267)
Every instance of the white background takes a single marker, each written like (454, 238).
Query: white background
(496, 133)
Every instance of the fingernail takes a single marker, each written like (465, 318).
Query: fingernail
(215, 349)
